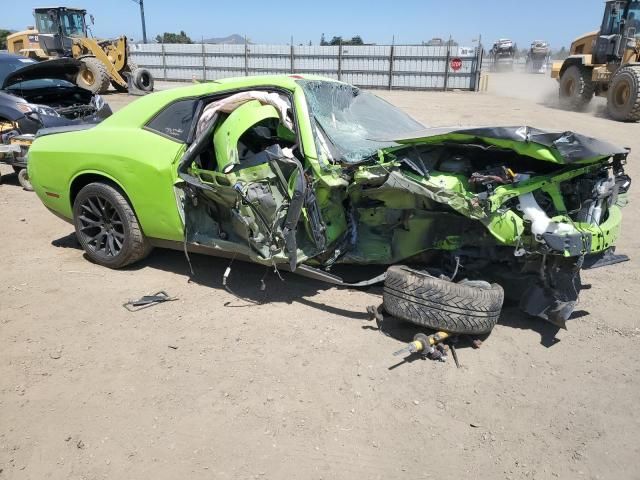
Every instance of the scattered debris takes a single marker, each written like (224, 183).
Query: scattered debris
(174, 347)
(476, 343)
(428, 346)
(80, 444)
(455, 355)
(148, 301)
(375, 313)
(56, 354)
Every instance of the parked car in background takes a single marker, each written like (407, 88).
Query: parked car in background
(301, 173)
(36, 95)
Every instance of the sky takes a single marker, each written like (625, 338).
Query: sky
(408, 21)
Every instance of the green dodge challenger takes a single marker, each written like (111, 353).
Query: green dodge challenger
(301, 173)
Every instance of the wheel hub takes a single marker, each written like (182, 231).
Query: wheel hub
(101, 226)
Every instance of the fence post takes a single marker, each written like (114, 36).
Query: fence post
(204, 63)
(164, 63)
(246, 58)
(446, 67)
(293, 70)
(340, 61)
(391, 67)
(479, 60)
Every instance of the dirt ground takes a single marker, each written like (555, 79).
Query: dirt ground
(303, 385)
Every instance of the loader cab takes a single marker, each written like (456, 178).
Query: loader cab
(620, 27)
(57, 27)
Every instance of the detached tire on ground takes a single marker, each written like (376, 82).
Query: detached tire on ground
(623, 97)
(471, 308)
(576, 88)
(107, 227)
(143, 79)
(93, 75)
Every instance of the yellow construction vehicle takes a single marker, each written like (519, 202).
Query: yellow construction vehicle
(62, 32)
(606, 63)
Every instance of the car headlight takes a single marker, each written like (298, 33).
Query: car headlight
(98, 102)
(39, 109)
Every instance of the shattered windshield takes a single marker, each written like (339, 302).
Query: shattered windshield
(355, 121)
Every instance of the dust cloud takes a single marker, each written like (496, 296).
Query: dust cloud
(538, 88)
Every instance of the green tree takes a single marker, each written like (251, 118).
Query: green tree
(3, 38)
(560, 54)
(168, 37)
(323, 41)
(357, 40)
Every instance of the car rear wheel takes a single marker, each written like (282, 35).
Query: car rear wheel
(107, 227)
(463, 308)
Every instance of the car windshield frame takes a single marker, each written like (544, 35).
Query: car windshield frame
(41, 83)
(355, 122)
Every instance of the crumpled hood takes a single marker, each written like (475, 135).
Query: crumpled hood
(555, 147)
(61, 68)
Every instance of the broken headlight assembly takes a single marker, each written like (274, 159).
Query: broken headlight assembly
(97, 102)
(27, 108)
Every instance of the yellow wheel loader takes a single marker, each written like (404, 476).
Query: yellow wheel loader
(62, 32)
(606, 63)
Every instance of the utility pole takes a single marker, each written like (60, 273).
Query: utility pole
(144, 27)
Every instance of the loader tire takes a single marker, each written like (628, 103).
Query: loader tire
(576, 88)
(143, 79)
(461, 308)
(93, 75)
(623, 98)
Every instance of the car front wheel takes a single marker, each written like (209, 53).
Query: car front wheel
(107, 227)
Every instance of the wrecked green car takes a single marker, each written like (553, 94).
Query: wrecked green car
(302, 173)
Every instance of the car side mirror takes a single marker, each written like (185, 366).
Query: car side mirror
(92, 18)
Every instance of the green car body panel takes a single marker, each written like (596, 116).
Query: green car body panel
(402, 211)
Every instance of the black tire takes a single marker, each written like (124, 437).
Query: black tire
(143, 79)
(107, 227)
(23, 179)
(119, 88)
(576, 87)
(419, 298)
(93, 75)
(131, 67)
(623, 98)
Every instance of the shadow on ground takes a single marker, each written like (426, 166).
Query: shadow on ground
(253, 285)
(10, 179)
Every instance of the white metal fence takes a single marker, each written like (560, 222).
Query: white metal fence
(409, 67)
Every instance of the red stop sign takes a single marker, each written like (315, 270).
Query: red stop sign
(456, 64)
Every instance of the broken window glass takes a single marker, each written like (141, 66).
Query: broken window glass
(357, 123)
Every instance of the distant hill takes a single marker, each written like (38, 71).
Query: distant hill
(234, 39)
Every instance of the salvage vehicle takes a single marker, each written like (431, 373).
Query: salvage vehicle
(38, 95)
(301, 173)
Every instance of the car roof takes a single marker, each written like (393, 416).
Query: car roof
(7, 56)
(140, 111)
